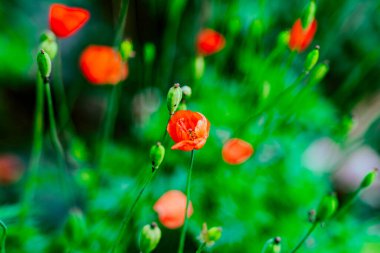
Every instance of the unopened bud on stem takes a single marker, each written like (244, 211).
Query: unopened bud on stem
(369, 179)
(311, 59)
(149, 238)
(174, 98)
(327, 207)
(44, 64)
(157, 154)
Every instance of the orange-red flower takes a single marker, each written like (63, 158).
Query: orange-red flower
(236, 151)
(102, 65)
(209, 42)
(301, 38)
(65, 21)
(11, 169)
(171, 209)
(189, 130)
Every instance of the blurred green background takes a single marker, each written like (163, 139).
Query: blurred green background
(267, 196)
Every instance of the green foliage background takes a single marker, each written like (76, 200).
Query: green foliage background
(269, 195)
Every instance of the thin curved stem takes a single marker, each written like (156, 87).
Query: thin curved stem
(188, 197)
(119, 245)
(113, 100)
(53, 127)
(311, 229)
(3, 237)
(201, 247)
(38, 129)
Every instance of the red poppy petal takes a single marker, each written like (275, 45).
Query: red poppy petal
(65, 21)
(236, 151)
(309, 35)
(296, 35)
(209, 42)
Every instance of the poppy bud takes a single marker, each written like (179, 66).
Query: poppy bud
(319, 72)
(186, 91)
(199, 66)
(75, 227)
(312, 59)
(327, 207)
(50, 47)
(210, 236)
(234, 26)
(309, 13)
(174, 98)
(369, 179)
(44, 64)
(273, 245)
(283, 38)
(149, 52)
(126, 50)
(47, 35)
(157, 154)
(256, 28)
(149, 238)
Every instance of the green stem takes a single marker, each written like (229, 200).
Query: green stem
(188, 197)
(113, 100)
(59, 91)
(347, 204)
(276, 100)
(201, 247)
(3, 237)
(38, 128)
(305, 237)
(53, 127)
(122, 235)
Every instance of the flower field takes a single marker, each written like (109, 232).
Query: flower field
(189, 126)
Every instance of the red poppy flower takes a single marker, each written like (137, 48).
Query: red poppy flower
(11, 169)
(301, 38)
(102, 65)
(189, 130)
(171, 209)
(65, 21)
(209, 42)
(236, 151)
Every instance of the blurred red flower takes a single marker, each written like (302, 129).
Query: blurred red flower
(236, 151)
(189, 130)
(65, 21)
(209, 42)
(171, 207)
(102, 65)
(11, 169)
(301, 38)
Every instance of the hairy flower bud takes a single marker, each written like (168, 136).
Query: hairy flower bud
(186, 91)
(174, 98)
(369, 179)
(311, 59)
(44, 64)
(149, 238)
(309, 13)
(157, 154)
(327, 207)
(273, 245)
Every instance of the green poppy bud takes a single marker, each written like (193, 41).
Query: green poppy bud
(50, 47)
(327, 207)
(186, 91)
(126, 49)
(283, 39)
(47, 35)
(369, 179)
(149, 53)
(149, 238)
(199, 67)
(75, 227)
(309, 13)
(214, 233)
(234, 26)
(210, 236)
(256, 28)
(44, 64)
(273, 245)
(157, 154)
(174, 98)
(319, 72)
(312, 59)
